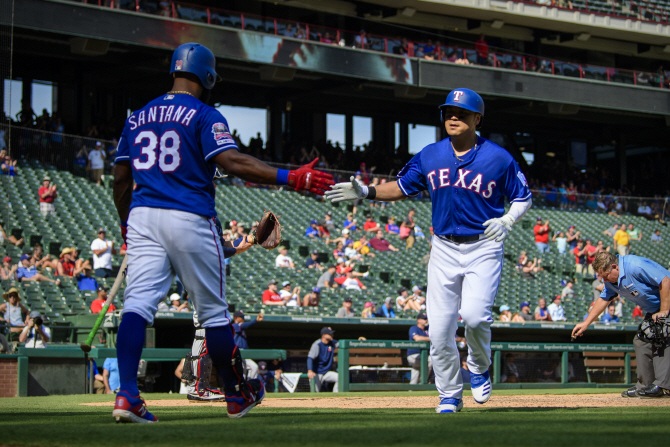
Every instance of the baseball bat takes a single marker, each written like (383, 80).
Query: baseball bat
(123, 270)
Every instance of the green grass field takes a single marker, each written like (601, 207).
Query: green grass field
(61, 421)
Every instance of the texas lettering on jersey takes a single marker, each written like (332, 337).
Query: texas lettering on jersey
(465, 191)
(462, 182)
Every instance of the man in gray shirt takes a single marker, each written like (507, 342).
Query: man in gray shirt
(327, 279)
(525, 312)
(345, 311)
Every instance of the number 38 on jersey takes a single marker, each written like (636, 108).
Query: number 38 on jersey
(163, 149)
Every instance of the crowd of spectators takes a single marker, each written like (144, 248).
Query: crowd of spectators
(620, 237)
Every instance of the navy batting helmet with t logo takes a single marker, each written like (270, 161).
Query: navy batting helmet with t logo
(463, 98)
(198, 60)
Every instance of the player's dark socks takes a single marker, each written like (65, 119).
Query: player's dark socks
(129, 344)
(220, 347)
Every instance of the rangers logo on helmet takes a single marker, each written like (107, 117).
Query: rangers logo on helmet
(177, 65)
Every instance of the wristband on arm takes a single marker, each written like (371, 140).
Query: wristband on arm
(282, 176)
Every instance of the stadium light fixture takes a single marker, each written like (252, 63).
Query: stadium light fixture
(497, 24)
(583, 37)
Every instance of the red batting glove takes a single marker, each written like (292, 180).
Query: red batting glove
(124, 232)
(306, 178)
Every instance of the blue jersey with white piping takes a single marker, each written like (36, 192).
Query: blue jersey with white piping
(170, 144)
(466, 193)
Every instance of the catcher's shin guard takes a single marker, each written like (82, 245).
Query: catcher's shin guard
(237, 364)
(198, 368)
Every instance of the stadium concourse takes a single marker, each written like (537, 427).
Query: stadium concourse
(82, 207)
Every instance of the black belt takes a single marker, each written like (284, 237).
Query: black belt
(461, 239)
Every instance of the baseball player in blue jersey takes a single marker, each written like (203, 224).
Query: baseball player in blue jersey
(170, 149)
(468, 178)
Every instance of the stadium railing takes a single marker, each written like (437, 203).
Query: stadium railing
(344, 366)
(319, 33)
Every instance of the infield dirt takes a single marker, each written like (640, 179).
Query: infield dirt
(529, 401)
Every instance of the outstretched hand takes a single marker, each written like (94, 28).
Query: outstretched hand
(306, 178)
(579, 330)
(345, 191)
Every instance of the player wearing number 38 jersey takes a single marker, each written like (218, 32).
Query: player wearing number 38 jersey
(178, 135)
(468, 179)
(169, 150)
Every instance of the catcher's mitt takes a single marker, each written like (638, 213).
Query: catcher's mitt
(268, 232)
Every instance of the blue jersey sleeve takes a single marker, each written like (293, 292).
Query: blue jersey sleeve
(411, 179)
(515, 187)
(414, 330)
(123, 148)
(215, 134)
(649, 272)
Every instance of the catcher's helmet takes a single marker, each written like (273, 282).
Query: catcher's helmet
(198, 60)
(463, 98)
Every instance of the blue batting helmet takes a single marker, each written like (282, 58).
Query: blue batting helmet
(198, 60)
(463, 98)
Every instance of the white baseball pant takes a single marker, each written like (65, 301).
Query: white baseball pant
(163, 242)
(414, 361)
(462, 278)
(329, 377)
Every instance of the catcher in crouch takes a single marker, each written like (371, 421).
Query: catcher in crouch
(202, 379)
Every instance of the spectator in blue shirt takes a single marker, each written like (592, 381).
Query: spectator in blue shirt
(391, 227)
(313, 230)
(656, 237)
(312, 261)
(610, 316)
(110, 375)
(250, 367)
(28, 272)
(418, 332)
(320, 360)
(85, 281)
(647, 284)
(98, 381)
(386, 310)
(350, 223)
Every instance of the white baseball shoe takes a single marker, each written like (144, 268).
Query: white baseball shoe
(449, 405)
(480, 385)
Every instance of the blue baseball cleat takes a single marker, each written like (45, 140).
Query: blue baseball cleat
(480, 384)
(449, 405)
(132, 409)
